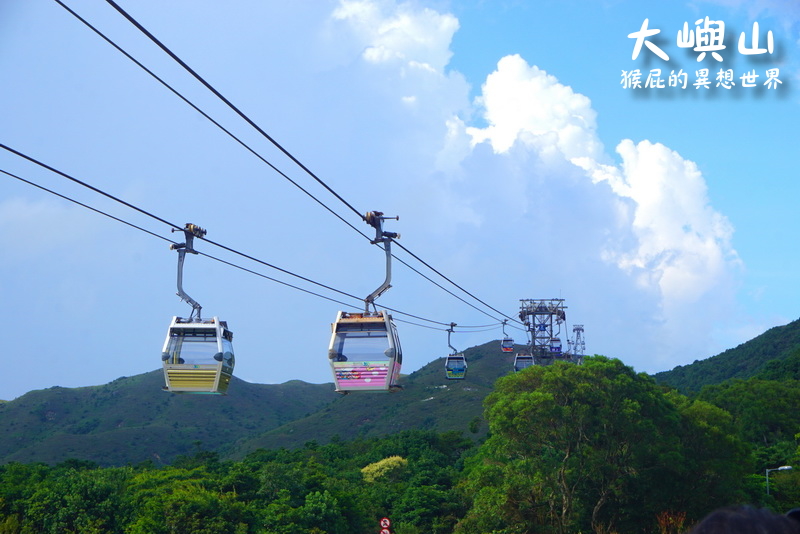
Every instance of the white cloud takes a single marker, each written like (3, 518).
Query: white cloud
(524, 103)
(682, 239)
(665, 234)
(398, 32)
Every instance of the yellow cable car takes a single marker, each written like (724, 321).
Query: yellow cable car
(198, 356)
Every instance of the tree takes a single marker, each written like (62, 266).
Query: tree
(386, 468)
(576, 448)
(764, 411)
(87, 501)
(715, 460)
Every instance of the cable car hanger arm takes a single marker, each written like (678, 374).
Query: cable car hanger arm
(375, 219)
(450, 331)
(190, 231)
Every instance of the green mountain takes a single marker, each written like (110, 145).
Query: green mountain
(749, 359)
(130, 420)
(428, 401)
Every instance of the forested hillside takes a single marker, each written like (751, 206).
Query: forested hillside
(428, 401)
(563, 448)
(132, 420)
(744, 361)
(589, 448)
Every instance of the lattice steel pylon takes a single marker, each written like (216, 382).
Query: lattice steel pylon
(543, 319)
(578, 348)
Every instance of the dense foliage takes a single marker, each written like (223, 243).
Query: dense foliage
(745, 361)
(591, 448)
(598, 448)
(339, 488)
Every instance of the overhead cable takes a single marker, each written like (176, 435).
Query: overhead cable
(166, 222)
(108, 195)
(229, 104)
(204, 114)
(259, 156)
(247, 119)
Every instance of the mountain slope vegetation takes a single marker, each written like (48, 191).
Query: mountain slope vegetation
(744, 361)
(130, 420)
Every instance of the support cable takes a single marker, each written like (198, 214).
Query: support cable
(219, 95)
(204, 114)
(231, 264)
(253, 151)
(275, 143)
(263, 133)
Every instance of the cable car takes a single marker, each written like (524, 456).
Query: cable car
(455, 364)
(507, 344)
(198, 356)
(522, 360)
(364, 352)
(555, 346)
(455, 367)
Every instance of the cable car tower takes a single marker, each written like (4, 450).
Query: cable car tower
(197, 354)
(364, 351)
(543, 319)
(577, 344)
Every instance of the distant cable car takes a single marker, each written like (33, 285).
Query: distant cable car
(507, 344)
(555, 346)
(455, 364)
(198, 354)
(522, 360)
(364, 351)
(455, 367)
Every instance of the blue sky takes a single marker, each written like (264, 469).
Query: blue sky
(499, 132)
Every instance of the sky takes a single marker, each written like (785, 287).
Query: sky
(522, 153)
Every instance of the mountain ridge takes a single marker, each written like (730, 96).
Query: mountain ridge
(130, 420)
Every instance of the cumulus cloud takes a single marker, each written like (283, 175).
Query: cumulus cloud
(683, 241)
(417, 38)
(637, 229)
(524, 103)
(671, 241)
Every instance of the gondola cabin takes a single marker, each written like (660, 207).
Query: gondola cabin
(455, 367)
(555, 346)
(198, 356)
(522, 361)
(365, 352)
(507, 344)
